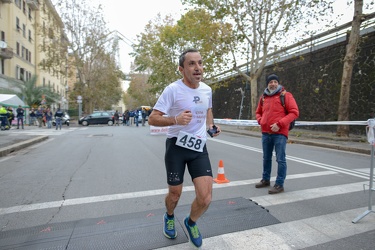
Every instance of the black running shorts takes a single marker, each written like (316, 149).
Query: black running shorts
(176, 158)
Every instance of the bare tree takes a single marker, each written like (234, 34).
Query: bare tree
(265, 27)
(94, 49)
(349, 60)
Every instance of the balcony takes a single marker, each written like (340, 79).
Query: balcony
(6, 1)
(6, 53)
(33, 4)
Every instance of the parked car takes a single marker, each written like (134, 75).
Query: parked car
(112, 113)
(97, 118)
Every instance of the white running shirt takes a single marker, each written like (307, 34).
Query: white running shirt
(178, 97)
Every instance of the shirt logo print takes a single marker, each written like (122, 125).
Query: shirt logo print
(196, 99)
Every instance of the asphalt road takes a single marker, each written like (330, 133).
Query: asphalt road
(90, 172)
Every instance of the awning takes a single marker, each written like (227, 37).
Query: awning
(12, 101)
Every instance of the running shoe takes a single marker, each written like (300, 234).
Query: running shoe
(169, 229)
(195, 236)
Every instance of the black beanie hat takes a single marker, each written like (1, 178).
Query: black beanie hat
(272, 77)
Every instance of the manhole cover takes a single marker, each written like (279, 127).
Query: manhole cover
(101, 135)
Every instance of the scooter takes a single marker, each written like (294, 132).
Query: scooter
(65, 120)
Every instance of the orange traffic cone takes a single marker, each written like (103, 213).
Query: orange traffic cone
(220, 174)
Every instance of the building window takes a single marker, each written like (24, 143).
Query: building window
(2, 63)
(24, 7)
(18, 48)
(18, 27)
(18, 3)
(22, 74)
(29, 56)
(17, 72)
(30, 39)
(23, 52)
(30, 17)
(24, 30)
(44, 82)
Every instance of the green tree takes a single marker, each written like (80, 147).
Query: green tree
(263, 26)
(160, 45)
(139, 92)
(32, 94)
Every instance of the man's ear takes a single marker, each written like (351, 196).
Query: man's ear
(180, 69)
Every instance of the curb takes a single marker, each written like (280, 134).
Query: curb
(21, 145)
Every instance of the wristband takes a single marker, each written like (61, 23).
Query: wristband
(175, 118)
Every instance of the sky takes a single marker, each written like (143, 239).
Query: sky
(130, 17)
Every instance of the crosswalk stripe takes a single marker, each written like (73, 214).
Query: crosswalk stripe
(42, 131)
(297, 234)
(355, 173)
(307, 194)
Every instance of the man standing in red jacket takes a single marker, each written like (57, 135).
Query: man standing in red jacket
(274, 120)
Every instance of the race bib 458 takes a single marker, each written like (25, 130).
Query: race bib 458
(190, 141)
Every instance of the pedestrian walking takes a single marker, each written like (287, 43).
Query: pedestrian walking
(32, 117)
(39, 116)
(10, 116)
(116, 118)
(20, 113)
(58, 118)
(49, 116)
(274, 118)
(186, 107)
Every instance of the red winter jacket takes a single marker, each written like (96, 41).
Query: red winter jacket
(270, 111)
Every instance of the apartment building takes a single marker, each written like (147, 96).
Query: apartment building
(33, 43)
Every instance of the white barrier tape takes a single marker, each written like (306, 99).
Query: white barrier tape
(158, 130)
(298, 123)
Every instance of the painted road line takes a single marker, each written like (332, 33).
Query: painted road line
(308, 194)
(355, 173)
(123, 196)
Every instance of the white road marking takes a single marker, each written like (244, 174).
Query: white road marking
(291, 235)
(44, 131)
(78, 201)
(355, 173)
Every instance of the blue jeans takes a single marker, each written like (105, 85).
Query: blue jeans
(19, 119)
(277, 142)
(58, 122)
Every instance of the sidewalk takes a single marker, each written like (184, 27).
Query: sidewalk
(11, 142)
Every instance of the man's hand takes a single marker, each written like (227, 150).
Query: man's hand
(184, 118)
(274, 127)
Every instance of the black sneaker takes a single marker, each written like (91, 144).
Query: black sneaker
(169, 229)
(276, 189)
(262, 183)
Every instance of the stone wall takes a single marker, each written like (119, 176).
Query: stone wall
(315, 81)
